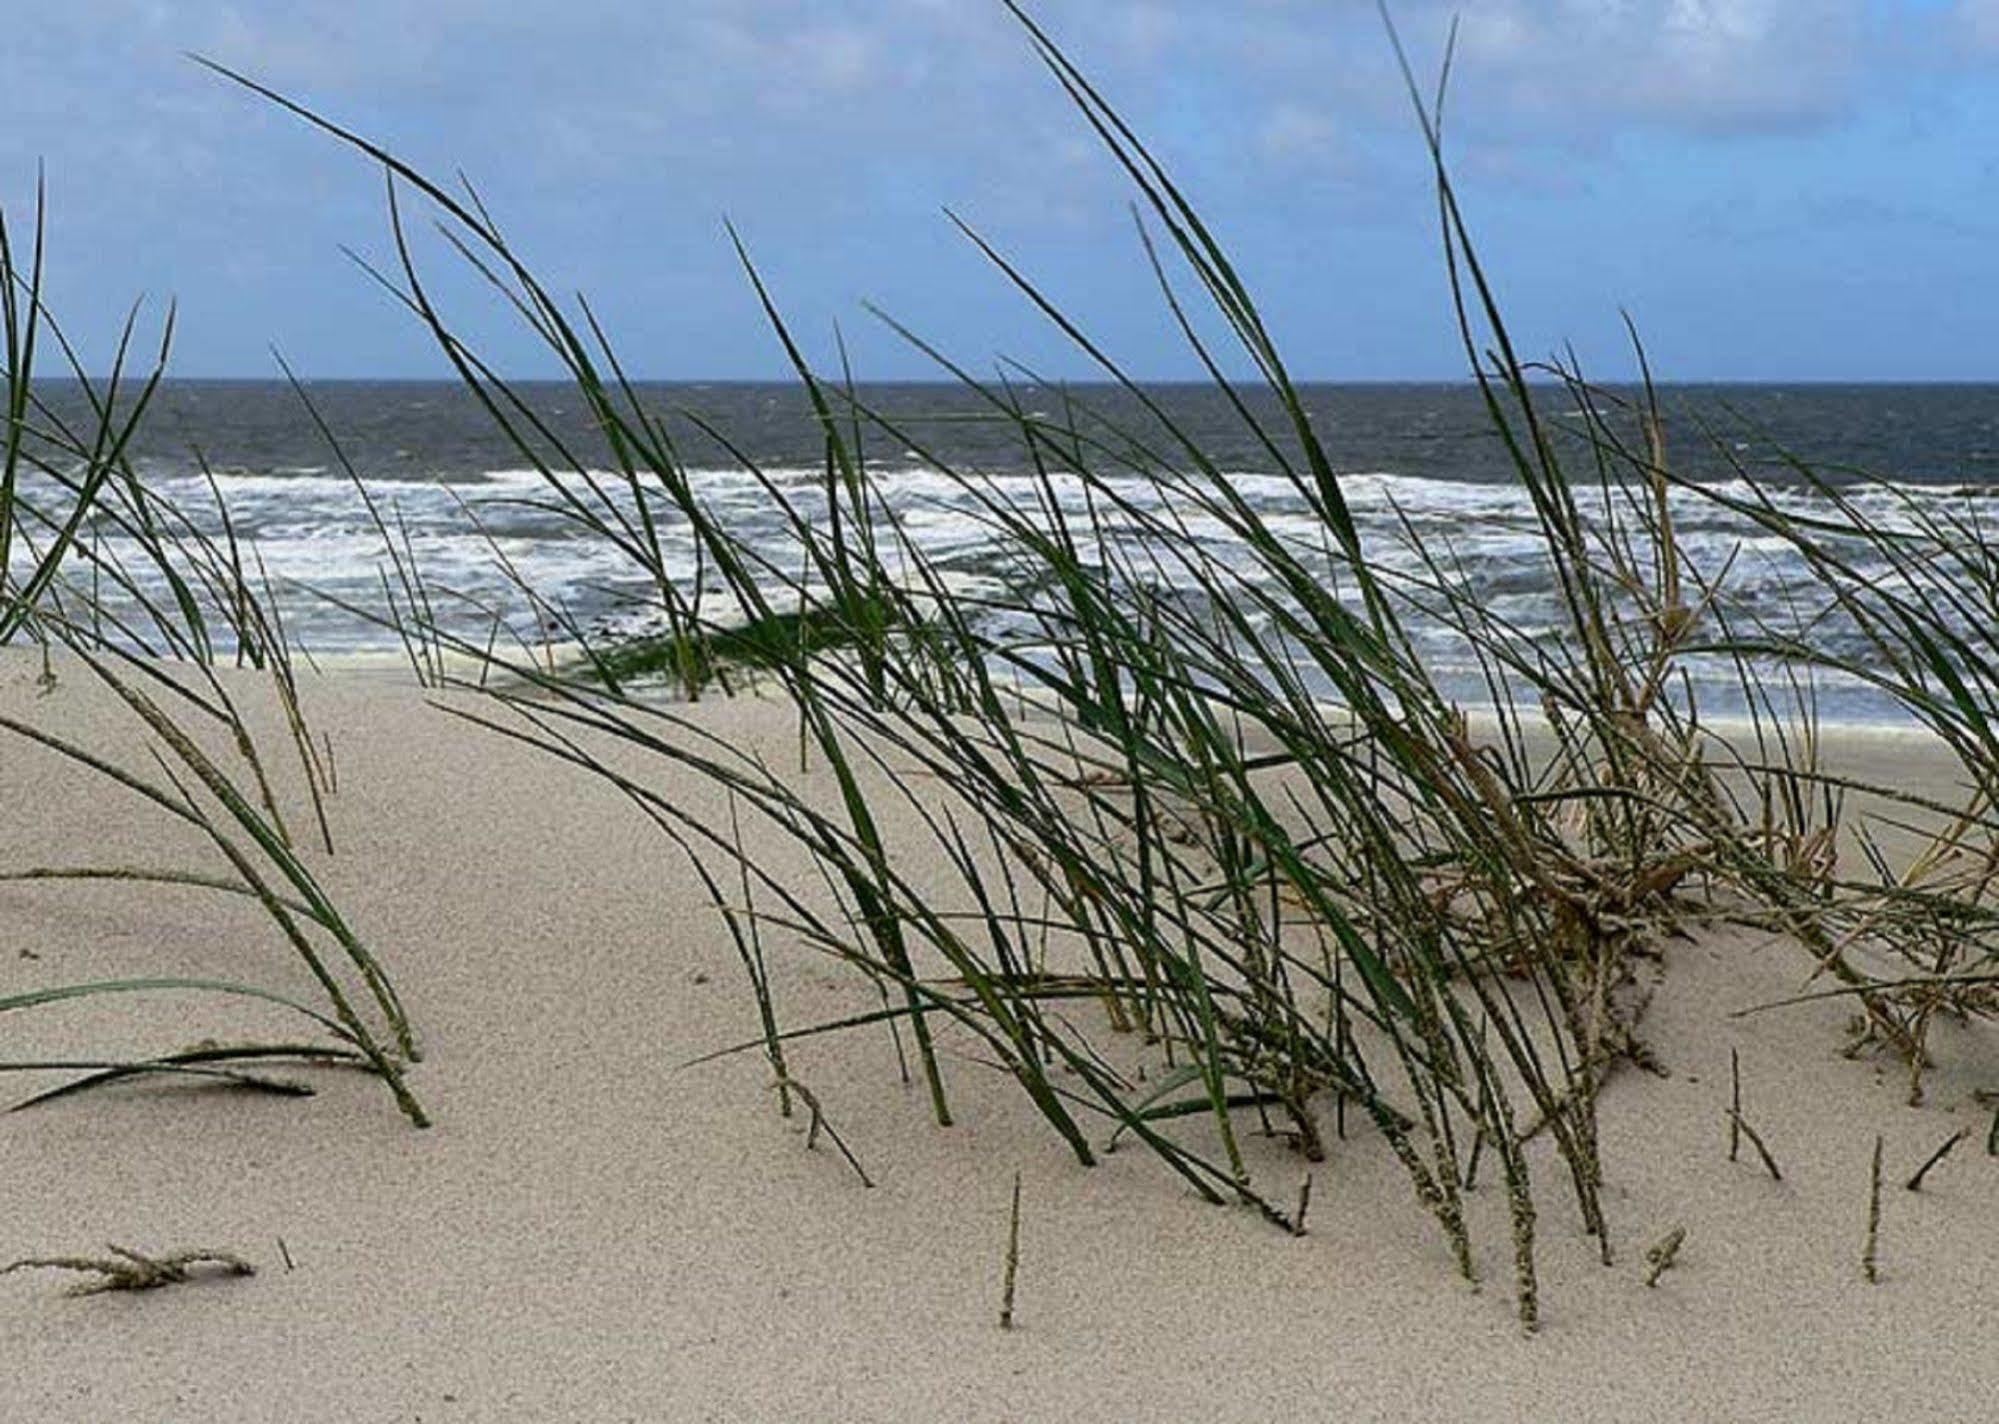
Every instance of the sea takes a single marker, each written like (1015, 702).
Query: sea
(1417, 461)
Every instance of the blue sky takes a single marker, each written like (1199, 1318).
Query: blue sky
(1775, 189)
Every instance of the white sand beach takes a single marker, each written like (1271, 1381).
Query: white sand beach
(592, 1231)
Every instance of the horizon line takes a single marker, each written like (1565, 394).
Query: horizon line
(1197, 382)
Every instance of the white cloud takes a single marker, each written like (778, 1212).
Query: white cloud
(1979, 21)
(1297, 131)
(801, 92)
(1708, 65)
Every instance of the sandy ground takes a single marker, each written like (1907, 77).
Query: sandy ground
(593, 1232)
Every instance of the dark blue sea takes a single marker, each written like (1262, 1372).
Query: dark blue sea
(1414, 459)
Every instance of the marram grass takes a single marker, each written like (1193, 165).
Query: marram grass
(1240, 840)
(209, 772)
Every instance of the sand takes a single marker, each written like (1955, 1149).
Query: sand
(594, 1232)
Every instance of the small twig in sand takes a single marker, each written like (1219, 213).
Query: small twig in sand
(284, 1252)
(1915, 1183)
(1869, 1258)
(1756, 1141)
(819, 1122)
(1304, 1205)
(1663, 1253)
(1012, 1275)
(128, 1270)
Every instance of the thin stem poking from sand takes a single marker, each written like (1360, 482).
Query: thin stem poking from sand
(1756, 1141)
(1915, 1183)
(1735, 1104)
(1304, 1205)
(1012, 1274)
(818, 1122)
(1870, 1255)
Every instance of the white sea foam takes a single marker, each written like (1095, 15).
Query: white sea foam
(312, 529)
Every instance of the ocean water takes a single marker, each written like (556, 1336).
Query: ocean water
(1421, 453)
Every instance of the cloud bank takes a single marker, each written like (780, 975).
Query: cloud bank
(615, 133)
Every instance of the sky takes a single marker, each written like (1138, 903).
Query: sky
(1772, 189)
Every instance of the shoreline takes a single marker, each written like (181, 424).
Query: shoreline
(391, 666)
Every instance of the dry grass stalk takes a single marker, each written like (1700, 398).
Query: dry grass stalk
(1663, 1254)
(818, 1122)
(1756, 1141)
(128, 1270)
(1915, 1183)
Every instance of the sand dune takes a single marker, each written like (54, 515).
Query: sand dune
(593, 1232)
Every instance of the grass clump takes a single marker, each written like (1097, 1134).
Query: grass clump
(1246, 824)
(154, 658)
(193, 786)
(1214, 840)
(709, 656)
